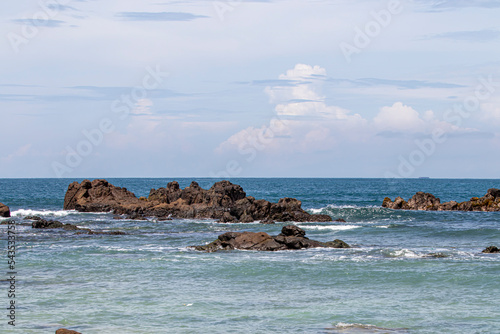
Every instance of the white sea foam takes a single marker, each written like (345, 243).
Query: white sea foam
(28, 212)
(329, 227)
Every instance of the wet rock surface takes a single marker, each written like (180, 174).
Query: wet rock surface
(290, 238)
(4, 211)
(224, 201)
(428, 202)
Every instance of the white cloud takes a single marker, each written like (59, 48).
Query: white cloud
(399, 118)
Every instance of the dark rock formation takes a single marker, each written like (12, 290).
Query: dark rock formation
(491, 250)
(340, 220)
(4, 211)
(54, 224)
(51, 224)
(428, 202)
(291, 237)
(66, 331)
(224, 201)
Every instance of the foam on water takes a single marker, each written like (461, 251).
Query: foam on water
(30, 212)
(329, 227)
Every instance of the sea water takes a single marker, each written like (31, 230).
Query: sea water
(407, 271)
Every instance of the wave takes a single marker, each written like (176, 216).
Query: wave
(29, 212)
(342, 327)
(329, 227)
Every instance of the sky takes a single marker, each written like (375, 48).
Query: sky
(250, 88)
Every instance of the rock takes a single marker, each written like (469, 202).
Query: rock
(291, 237)
(66, 331)
(340, 220)
(224, 201)
(491, 250)
(4, 211)
(54, 224)
(98, 196)
(428, 202)
(47, 224)
(267, 221)
(33, 218)
(423, 201)
(337, 244)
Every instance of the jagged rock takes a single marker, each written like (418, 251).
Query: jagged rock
(4, 211)
(491, 250)
(428, 202)
(267, 221)
(291, 237)
(98, 196)
(66, 331)
(224, 201)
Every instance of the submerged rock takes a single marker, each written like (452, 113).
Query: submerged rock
(54, 224)
(428, 202)
(51, 224)
(4, 211)
(491, 250)
(291, 237)
(224, 201)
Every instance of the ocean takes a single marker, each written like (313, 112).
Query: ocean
(407, 271)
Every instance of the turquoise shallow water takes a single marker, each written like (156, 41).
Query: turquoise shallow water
(148, 281)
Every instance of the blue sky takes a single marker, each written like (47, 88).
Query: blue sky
(277, 88)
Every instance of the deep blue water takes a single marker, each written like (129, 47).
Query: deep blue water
(148, 281)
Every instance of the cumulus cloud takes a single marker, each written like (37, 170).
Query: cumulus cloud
(303, 122)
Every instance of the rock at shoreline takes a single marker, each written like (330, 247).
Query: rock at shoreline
(66, 331)
(224, 201)
(291, 237)
(428, 202)
(4, 211)
(491, 250)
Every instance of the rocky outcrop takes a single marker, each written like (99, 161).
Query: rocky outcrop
(491, 250)
(66, 331)
(428, 202)
(54, 224)
(291, 237)
(224, 201)
(4, 211)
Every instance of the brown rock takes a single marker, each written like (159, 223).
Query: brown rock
(66, 331)
(426, 201)
(292, 237)
(4, 211)
(224, 201)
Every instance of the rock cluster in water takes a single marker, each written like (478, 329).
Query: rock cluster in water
(429, 202)
(224, 201)
(40, 223)
(4, 211)
(291, 237)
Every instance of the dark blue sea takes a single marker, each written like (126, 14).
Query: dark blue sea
(407, 271)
